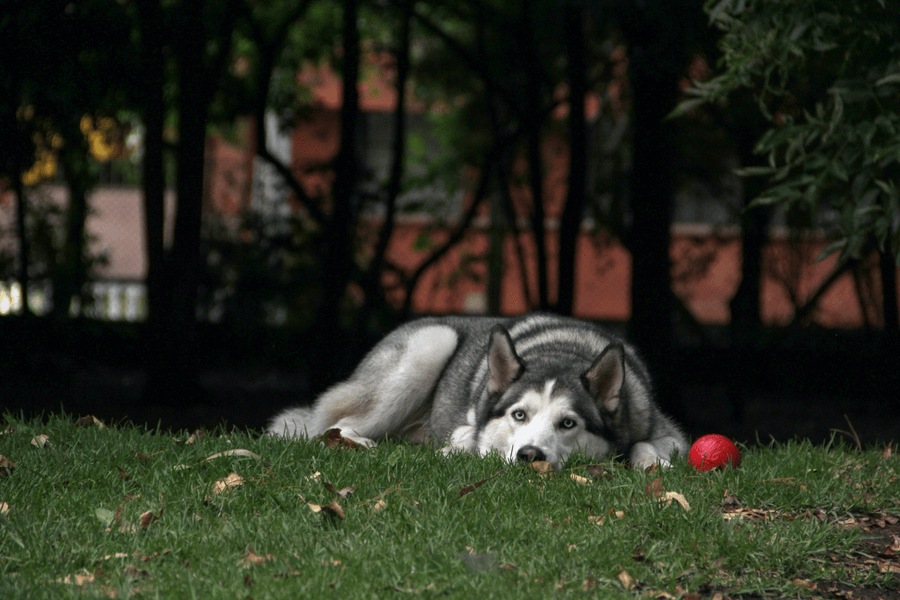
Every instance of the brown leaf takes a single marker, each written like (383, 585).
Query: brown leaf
(148, 518)
(343, 493)
(379, 505)
(6, 466)
(83, 578)
(235, 452)
(579, 479)
(227, 483)
(598, 471)
(654, 489)
(887, 452)
(197, 435)
(90, 421)
(4, 509)
(252, 558)
(667, 497)
(588, 583)
(40, 441)
(542, 468)
(333, 439)
(333, 510)
(626, 580)
(123, 474)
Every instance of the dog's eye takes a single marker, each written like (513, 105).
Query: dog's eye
(518, 415)
(567, 424)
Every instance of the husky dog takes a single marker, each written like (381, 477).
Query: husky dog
(536, 387)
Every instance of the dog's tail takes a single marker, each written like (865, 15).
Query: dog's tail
(292, 423)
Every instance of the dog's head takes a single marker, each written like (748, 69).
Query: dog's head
(547, 411)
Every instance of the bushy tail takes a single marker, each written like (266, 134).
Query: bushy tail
(293, 423)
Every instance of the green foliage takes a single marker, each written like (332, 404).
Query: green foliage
(827, 76)
(124, 511)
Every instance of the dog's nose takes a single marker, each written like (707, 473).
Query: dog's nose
(530, 454)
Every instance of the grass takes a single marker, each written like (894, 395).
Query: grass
(125, 512)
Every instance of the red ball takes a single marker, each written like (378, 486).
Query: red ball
(713, 451)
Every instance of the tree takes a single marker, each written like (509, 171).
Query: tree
(826, 75)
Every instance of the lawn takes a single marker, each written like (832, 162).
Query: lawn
(117, 511)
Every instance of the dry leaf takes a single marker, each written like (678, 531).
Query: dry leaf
(579, 479)
(588, 583)
(252, 558)
(6, 466)
(332, 510)
(333, 438)
(83, 578)
(40, 441)
(669, 496)
(148, 518)
(379, 505)
(197, 435)
(343, 493)
(542, 468)
(4, 509)
(654, 489)
(227, 483)
(123, 474)
(235, 452)
(625, 579)
(314, 477)
(90, 421)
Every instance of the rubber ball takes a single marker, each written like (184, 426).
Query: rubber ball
(713, 451)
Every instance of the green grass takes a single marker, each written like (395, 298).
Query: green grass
(73, 523)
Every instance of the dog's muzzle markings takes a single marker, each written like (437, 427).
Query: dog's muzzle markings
(533, 388)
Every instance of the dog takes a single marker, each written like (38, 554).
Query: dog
(535, 387)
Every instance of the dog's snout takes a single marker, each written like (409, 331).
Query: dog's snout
(530, 454)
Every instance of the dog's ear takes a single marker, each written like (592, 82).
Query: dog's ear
(504, 365)
(604, 379)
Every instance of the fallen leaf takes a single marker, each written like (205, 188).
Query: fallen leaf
(252, 558)
(579, 479)
(235, 452)
(227, 483)
(332, 510)
(197, 435)
(4, 509)
(807, 585)
(588, 583)
(314, 477)
(148, 518)
(654, 489)
(669, 496)
(6, 466)
(343, 493)
(542, 468)
(123, 474)
(333, 438)
(887, 452)
(40, 441)
(83, 578)
(379, 505)
(626, 580)
(90, 421)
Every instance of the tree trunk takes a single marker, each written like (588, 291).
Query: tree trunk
(70, 282)
(570, 223)
(338, 231)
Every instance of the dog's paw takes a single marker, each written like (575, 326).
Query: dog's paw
(645, 455)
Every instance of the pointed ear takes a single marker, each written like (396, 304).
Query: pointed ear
(606, 376)
(504, 365)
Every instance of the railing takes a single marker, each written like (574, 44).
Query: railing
(113, 300)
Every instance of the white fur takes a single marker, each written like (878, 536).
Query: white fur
(388, 401)
(544, 411)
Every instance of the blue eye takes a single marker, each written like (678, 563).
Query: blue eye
(567, 424)
(518, 415)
